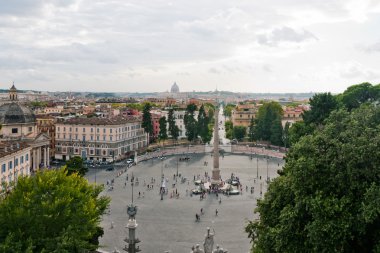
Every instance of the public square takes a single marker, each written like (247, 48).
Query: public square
(169, 224)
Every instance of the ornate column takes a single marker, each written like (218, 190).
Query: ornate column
(38, 157)
(215, 178)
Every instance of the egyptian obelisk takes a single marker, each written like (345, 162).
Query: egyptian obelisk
(215, 179)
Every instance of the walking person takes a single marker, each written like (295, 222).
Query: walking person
(216, 212)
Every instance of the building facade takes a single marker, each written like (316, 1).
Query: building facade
(243, 114)
(99, 139)
(15, 160)
(19, 124)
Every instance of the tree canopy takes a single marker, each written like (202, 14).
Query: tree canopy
(321, 106)
(51, 212)
(173, 128)
(327, 196)
(204, 130)
(147, 120)
(268, 123)
(75, 165)
(239, 132)
(190, 122)
(163, 134)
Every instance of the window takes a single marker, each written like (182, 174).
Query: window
(111, 130)
(110, 138)
(92, 137)
(27, 157)
(16, 162)
(104, 130)
(64, 136)
(14, 130)
(3, 167)
(21, 159)
(104, 138)
(30, 129)
(97, 138)
(10, 165)
(64, 129)
(92, 130)
(76, 129)
(84, 138)
(97, 130)
(70, 129)
(59, 129)
(76, 137)
(84, 130)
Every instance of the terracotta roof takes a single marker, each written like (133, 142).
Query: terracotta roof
(9, 147)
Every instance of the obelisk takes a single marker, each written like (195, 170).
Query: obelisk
(215, 179)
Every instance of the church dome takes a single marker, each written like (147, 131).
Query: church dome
(175, 88)
(14, 113)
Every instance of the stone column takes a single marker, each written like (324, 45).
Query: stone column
(38, 157)
(45, 157)
(34, 160)
(48, 156)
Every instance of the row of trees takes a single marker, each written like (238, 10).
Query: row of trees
(326, 198)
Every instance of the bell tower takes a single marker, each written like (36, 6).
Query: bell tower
(13, 93)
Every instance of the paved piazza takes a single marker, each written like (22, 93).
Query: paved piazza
(169, 224)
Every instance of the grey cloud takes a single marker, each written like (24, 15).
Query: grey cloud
(285, 34)
(214, 71)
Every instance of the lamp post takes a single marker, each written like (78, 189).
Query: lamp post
(257, 168)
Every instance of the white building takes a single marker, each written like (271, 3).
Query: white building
(99, 138)
(15, 158)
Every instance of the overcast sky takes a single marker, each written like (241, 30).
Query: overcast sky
(147, 45)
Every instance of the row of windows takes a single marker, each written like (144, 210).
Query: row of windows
(134, 127)
(118, 137)
(14, 163)
(15, 130)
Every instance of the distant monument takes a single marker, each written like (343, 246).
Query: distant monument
(215, 178)
(174, 88)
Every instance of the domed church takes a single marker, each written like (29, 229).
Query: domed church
(18, 123)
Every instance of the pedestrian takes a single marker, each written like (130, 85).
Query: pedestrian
(139, 194)
(216, 212)
(220, 200)
(201, 210)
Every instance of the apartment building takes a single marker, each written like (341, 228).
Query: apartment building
(104, 139)
(242, 114)
(15, 160)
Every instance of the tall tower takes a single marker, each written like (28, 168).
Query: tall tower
(13, 93)
(215, 179)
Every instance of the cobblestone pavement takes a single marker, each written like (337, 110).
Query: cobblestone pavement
(169, 225)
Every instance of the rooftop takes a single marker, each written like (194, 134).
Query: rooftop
(9, 147)
(101, 121)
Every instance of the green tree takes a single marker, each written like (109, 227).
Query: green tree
(75, 165)
(321, 105)
(203, 125)
(251, 130)
(173, 128)
(356, 95)
(147, 120)
(190, 123)
(52, 212)
(327, 196)
(239, 132)
(228, 126)
(276, 132)
(163, 134)
(228, 109)
(268, 115)
(298, 130)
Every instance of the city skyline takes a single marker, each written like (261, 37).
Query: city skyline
(146, 46)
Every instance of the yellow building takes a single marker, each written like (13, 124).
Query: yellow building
(242, 114)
